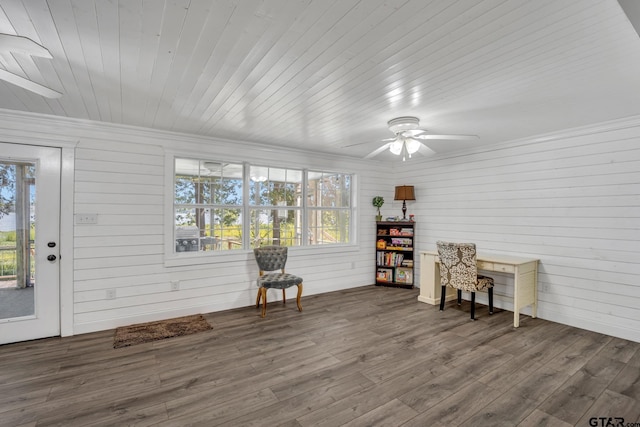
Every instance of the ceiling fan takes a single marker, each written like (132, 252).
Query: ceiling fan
(17, 44)
(408, 136)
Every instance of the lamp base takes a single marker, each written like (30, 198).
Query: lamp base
(404, 209)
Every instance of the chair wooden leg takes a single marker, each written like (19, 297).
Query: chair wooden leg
(298, 297)
(443, 296)
(459, 297)
(490, 300)
(284, 296)
(258, 298)
(473, 306)
(263, 291)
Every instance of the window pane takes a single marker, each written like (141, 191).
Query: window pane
(329, 226)
(223, 183)
(280, 227)
(198, 229)
(185, 191)
(201, 182)
(187, 181)
(229, 191)
(258, 191)
(227, 228)
(329, 190)
(275, 186)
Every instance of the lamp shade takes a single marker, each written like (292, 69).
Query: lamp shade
(404, 192)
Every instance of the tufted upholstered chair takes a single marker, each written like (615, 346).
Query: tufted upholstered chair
(458, 269)
(270, 259)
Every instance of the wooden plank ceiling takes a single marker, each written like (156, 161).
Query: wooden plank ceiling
(323, 74)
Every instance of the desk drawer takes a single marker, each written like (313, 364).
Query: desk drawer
(505, 268)
(484, 265)
(494, 266)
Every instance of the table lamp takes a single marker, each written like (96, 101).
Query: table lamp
(404, 193)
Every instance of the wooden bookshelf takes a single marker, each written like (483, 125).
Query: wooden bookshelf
(394, 253)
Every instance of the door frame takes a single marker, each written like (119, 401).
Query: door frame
(67, 185)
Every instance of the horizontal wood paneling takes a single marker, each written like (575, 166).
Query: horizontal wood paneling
(572, 201)
(120, 177)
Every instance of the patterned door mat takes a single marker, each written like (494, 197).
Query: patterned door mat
(153, 331)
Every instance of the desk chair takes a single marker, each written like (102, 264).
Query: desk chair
(458, 269)
(271, 259)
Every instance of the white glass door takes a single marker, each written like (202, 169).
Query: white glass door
(29, 242)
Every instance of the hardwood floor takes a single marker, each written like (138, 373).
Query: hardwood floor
(369, 356)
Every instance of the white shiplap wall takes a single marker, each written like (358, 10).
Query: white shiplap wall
(120, 176)
(571, 199)
(123, 182)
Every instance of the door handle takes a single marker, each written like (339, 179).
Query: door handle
(51, 258)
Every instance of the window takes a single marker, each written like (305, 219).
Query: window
(213, 211)
(275, 206)
(207, 205)
(329, 207)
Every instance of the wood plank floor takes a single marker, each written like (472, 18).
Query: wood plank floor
(370, 356)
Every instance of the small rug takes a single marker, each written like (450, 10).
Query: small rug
(154, 331)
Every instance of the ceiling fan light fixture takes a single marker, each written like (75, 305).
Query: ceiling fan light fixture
(412, 145)
(396, 147)
(408, 136)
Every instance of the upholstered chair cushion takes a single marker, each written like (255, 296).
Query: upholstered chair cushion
(278, 280)
(271, 258)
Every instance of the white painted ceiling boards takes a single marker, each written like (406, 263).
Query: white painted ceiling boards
(323, 74)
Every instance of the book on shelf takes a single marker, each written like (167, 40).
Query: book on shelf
(384, 275)
(406, 231)
(389, 258)
(404, 275)
(401, 241)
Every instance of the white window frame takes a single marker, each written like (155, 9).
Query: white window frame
(176, 259)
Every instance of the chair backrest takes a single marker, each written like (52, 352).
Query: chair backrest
(458, 265)
(271, 258)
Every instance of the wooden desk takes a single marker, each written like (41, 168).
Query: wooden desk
(524, 270)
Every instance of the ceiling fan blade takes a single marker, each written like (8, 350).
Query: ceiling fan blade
(425, 151)
(24, 45)
(29, 85)
(451, 137)
(368, 142)
(378, 151)
(10, 43)
(359, 143)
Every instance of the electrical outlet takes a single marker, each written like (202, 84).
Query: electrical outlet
(175, 285)
(111, 293)
(86, 218)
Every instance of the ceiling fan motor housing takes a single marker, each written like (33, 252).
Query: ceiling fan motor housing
(400, 124)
